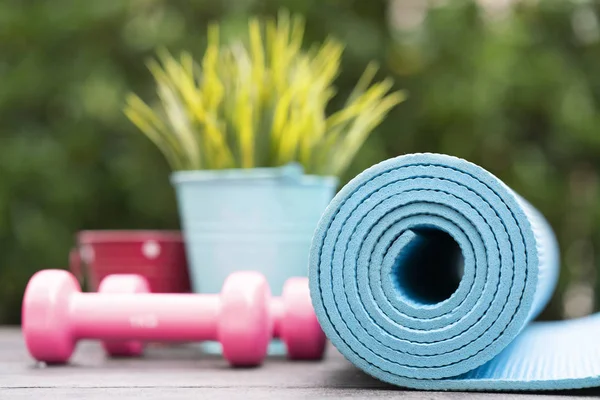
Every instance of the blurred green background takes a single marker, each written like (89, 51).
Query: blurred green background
(511, 85)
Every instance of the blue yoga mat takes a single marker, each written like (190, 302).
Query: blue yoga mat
(426, 272)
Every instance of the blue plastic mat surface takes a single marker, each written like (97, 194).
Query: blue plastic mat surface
(426, 272)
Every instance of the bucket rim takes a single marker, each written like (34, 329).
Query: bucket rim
(129, 235)
(286, 175)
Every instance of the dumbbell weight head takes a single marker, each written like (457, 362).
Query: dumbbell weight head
(123, 283)
(244, 324)
(299, 328)
(45, 321)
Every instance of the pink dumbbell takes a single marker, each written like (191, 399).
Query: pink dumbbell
(294, 319)
(56, 314)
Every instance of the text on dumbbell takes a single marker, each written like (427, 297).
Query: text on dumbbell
(143, 321)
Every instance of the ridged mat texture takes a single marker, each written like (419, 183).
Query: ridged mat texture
(426, 272)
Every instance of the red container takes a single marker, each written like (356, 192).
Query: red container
(159, 256)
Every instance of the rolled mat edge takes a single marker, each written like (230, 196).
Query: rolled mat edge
(392, 318)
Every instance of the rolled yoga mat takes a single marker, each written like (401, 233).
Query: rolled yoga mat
(426, 272)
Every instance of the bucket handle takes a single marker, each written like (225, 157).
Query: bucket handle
(292, 171)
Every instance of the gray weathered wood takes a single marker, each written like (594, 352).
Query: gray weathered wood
(183, 372)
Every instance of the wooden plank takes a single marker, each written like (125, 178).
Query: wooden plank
(252, 394)
(182, 372)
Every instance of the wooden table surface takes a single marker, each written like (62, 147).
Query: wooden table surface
(183, 372)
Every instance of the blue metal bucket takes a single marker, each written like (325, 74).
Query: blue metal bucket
(259, 219)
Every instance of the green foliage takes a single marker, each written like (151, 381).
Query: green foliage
(69, 158)
(518, 95)
(260, 104)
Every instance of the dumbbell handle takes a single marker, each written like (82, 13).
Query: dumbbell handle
(277, 313)
(144, 316)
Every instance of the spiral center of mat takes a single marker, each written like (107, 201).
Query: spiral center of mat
(429, 267)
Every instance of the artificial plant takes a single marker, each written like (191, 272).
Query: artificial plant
(262, 102)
